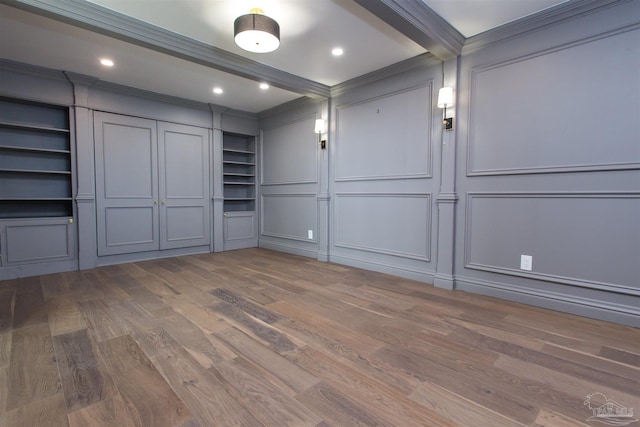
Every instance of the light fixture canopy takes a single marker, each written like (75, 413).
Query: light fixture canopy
(445, 100)
(256, 32)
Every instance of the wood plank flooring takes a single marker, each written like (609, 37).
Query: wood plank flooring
(259, 338)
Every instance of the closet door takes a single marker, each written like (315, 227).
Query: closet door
(183, 155)
(126, 184)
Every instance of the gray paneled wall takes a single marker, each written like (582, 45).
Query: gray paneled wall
(387, 137)
(563, 232)
(544, 161)
(548, 166)
(289, 216)
(289, 153)
(558, 109)
(290, 164)
(397, 224)
(384, 174)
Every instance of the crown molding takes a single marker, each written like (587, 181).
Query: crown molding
(230, 112)
(34, 70)
(416, 20)
(80, 79)
(93, 17)
(568, 10)
(296, 104)
(152, 96)
(424, 60)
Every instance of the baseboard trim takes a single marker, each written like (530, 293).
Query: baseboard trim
(146, 256)
(37, 269)
(288, 249)
(405, 272)
(610, 312)
(444, 281)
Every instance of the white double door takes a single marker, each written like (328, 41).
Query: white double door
(152, 185)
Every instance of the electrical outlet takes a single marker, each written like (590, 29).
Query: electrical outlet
(526, 262)
(310, 234)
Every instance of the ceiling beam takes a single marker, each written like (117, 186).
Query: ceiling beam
(416, 20)
(92, 17)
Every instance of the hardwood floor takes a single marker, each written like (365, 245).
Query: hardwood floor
(260, 338)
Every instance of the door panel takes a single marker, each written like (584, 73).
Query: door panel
(130, 225)
(183, 155)
(126, 184)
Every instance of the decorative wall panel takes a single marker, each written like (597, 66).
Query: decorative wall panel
(563, 232)
(54, 239)
(289, 153)
(387, 137)
(558, 110)
(391, 224)
(289, 216)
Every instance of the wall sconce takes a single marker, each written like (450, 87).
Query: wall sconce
(319, 129)
(445, 100)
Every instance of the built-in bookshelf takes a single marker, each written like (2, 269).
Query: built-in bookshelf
(35, 160)
(239, 172)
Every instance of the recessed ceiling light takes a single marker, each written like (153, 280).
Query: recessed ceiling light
(264, 86)
(217, 90)
(337, 51)
(106, 62)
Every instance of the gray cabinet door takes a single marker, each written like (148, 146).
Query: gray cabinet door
(126, 184)
(183, 156)
(25, 241)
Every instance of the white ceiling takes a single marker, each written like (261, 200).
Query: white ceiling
(309, 30)
(472, 17)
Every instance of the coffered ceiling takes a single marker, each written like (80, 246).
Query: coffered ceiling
(185, 48)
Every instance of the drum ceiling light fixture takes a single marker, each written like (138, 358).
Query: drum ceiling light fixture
(256, 32)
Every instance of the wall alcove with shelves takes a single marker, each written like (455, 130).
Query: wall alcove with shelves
(239, 184)
(36, 184)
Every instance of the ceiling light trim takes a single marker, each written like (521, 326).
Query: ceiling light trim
(107, 22)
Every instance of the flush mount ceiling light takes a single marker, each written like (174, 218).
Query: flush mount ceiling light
(256, 32)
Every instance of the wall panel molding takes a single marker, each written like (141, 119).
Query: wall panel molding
(389, 133)
(548, 134)
(296, 147)
(400, 216)
(276, 224)
(535, 238)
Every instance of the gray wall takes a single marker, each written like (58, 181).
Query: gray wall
(548, 136)
(292, 209)
(86, 95)
(385, 172)
(544, 161)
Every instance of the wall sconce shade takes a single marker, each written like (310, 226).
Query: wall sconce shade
(445, 97)
(445, 100)
(256, 32)
(319, 128)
